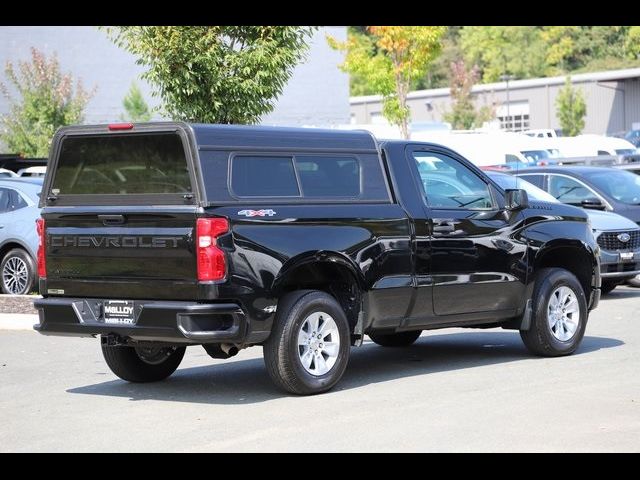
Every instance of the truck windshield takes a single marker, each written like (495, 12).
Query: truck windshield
(121, 164)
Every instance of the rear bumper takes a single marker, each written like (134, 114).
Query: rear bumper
(174, 322)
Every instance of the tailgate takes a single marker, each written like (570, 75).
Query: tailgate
(145, 255)
(120, 213)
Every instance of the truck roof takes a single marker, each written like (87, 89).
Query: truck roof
(284, 137)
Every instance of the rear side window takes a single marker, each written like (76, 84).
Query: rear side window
(295, 176)
(122, 164)
(328, 177)
(264, 177)
(16, 201)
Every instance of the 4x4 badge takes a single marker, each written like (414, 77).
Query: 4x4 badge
(257, 213)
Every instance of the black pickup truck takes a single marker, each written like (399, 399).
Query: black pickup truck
(160, 236)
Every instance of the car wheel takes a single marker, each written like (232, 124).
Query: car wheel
(401, 339)
(607, 286)
(559, 314)
(18, 272)
(634, 282)
(308, 349)
(143, 364)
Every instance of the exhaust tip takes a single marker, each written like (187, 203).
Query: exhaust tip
(230, 350)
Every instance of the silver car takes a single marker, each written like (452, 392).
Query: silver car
(18, 237)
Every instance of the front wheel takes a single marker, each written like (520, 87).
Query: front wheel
(143, 364)
(308, 349)
(559, 314)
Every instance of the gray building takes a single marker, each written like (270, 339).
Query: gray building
(612, 98)
(317, 94)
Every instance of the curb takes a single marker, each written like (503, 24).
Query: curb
(17, 321)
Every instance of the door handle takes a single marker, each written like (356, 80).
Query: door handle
(444, 227)
(111, 219)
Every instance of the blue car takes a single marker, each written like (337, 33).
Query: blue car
(594, 188)
(18, 237)
(617, 236)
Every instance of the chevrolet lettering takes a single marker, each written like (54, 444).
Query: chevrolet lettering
(112, 242)
(155, 237)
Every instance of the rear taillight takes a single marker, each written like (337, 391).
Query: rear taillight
(42, 265)
(211, 260)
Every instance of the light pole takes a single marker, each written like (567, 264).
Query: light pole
(506, 78)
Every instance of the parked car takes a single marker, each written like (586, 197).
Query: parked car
(597, 188)
(507, 150)
(4, 173)
(633, 136)
(542, 133)
(32, 172)
(18, 238)
(300, 240)
(618, 237)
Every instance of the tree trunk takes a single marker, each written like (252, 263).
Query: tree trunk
(402, 88)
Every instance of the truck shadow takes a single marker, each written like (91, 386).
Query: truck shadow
(621, 292)
(246, 381)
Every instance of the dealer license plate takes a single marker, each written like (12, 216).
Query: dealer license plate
(119, 312)
(626, 256)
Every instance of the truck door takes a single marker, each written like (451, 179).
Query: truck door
(474, 264)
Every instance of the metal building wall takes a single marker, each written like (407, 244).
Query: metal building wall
(612, 105)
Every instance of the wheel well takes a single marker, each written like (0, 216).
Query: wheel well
(576, 260)
(10, 246)
(336, 280)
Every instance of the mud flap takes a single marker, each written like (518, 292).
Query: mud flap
(358, 335)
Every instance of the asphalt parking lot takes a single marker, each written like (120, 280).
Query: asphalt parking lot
(454, 390)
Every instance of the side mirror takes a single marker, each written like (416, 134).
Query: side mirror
(516, 199)
(593, 203)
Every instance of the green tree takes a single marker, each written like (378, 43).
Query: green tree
(135, 107)
(571, 109)
(632, 42)
(49, 99)
(463, 114)
(561, 47)
(517, 50)
(439, 73)
(391, 59)
(216, 74)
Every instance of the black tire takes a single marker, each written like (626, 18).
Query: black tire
(21, 259)
(400, 339)
(608, 286)
(634, 282)
(281, 350)
(128, 362)
(539, 339)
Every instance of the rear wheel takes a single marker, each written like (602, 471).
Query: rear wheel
(143, 364)
(401, 339)
(308, 349)
(559, 314)
(18, 272)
